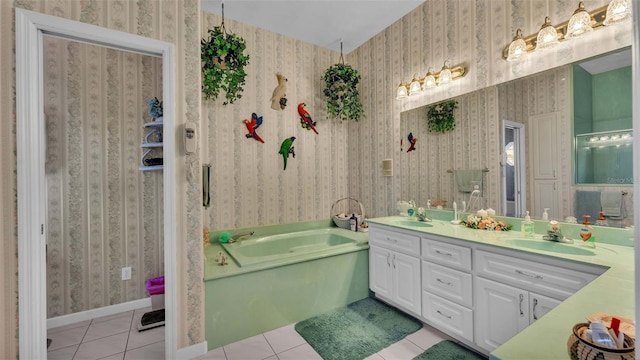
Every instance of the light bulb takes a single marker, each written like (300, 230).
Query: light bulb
(401, 93)
(415, 87)
(444, 77)
(429, 80)
(517, 48)
(580, 22)
(618, 11)
(547, 36)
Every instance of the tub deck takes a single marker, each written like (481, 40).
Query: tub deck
(243, 301)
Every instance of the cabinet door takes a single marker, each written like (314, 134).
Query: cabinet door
(545, 195)
(544, 145)
(501, 312)
(406, 282)
(540, 305)
(380, 271)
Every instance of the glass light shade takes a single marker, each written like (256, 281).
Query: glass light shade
(414, 87)
(401, 93)
(444, 77)
(547, 36)
(517, 48)
(618, 11)
(580, 22)
(429, 80)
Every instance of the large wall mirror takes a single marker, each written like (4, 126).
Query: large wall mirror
(519, 137)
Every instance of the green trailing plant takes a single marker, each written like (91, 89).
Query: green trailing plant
(341, 90)
(440, 116)
(223, 63)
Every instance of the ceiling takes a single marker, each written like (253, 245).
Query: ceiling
(320, 22)
(608, 62)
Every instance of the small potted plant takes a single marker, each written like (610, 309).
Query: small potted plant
(440, 116)
(341, 90)
(223, 63)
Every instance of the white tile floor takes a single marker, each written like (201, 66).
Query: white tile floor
(286, 344)
(109, 337)
(116, 337)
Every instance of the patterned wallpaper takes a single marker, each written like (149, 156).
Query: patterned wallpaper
(168, 20)
(473, 33)
(103, 213)
(249, 186)
(428, 172)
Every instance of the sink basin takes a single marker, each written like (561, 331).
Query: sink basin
(550, 246)
(414, 223)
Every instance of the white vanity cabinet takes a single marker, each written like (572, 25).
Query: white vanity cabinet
(447, 292)
(394, 268)
(508, 295)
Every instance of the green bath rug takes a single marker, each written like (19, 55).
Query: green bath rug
(448, 350)
(357, 330)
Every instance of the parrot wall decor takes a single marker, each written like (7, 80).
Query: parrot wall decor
(305, 119)
(253, 125)
(287, 148)
(412, 142)
(278, 99)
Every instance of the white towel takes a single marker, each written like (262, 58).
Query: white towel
(613, 205)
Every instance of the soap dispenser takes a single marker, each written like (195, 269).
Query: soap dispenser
(526, 226)
(545, 214)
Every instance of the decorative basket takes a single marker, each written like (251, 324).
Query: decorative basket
(344, 223)
(581, 349)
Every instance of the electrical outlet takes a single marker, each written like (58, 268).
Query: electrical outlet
(126, 273)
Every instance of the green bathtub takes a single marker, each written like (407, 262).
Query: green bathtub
(280, 275)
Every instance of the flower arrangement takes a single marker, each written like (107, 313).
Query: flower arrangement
(483, 220)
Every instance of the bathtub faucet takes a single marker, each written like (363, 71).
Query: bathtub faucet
(237, 236)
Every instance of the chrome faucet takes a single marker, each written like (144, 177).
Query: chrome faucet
(237, 236)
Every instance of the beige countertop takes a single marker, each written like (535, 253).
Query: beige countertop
(612, 292)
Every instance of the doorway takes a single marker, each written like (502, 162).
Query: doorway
(31, 154)
(513, 169)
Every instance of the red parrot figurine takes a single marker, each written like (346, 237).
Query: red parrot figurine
(305, 118)
(412, 141)
(252, 125)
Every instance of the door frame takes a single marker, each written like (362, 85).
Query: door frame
(31, 148)
(519, 171)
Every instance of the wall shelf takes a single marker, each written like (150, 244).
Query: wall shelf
(152, 140)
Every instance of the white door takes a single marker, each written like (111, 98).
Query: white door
(501, 312)
(544, 145)
(545, 195)
(380, 271)
(406, 282)
(540, 305)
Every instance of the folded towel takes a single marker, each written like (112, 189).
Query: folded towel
(613, 205)
(587, 203)
(467, 178)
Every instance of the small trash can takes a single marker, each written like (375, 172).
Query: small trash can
(155, 288)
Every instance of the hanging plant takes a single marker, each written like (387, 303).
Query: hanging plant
(223, 63)
(440, 117)
(341, 90)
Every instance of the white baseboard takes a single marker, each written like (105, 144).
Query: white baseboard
(192, 351)
(96, 313)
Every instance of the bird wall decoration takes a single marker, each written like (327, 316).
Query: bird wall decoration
(252, 125)
(278, 99)
(412, 142)
(305, 119)
(287, 148)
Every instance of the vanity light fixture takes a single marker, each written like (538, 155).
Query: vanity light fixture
(444, 76)
(618, 11)
(580, 23)
(547, 36)
(402, 91)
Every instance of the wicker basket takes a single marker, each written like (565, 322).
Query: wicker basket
(582, 349)
(344, 223)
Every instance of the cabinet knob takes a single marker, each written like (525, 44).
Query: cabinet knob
(535, 303)
(521, 300)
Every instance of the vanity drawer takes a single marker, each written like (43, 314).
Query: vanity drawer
(397, 241)
(449, 283)
(451, 255)
(447, 316)
(557, 282)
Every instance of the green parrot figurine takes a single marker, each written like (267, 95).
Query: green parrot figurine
(286, 148)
